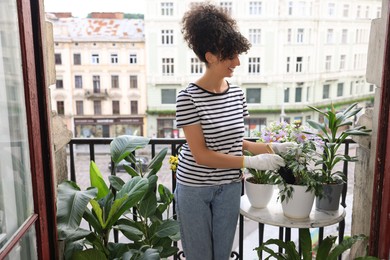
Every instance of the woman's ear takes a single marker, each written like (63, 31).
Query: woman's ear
(210, 58)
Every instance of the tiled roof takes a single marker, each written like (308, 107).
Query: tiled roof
(87, 29)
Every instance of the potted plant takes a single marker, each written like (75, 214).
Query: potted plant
(297, 177)
(138, 209)
(326, 250)
(299, 182)
(337, 127)
(259, 187)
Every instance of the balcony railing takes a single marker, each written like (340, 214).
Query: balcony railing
(88, 147)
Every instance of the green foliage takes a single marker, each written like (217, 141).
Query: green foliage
(149, 226)
(298, 170)
(327, 250)
(337, 127)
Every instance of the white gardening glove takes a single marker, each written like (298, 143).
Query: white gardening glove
(282, 147)
(264, 161)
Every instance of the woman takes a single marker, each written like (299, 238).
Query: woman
(211, 112)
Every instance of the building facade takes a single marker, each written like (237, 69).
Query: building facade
(100, 87)
(310, 52)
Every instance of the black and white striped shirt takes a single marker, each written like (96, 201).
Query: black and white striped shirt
(221, 116)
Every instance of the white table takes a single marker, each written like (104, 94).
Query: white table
(273, 215)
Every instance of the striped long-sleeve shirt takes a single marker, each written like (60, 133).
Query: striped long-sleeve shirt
(221, 116)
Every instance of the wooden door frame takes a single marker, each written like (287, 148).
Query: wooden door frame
(31, 28)
(379, 243)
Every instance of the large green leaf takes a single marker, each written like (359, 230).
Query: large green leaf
(89, 254)
(345, 245)
(325, 247)
(134, 190)
(98, 212)
(116, 182)
(148, 205)
(158, 159)
(131, 232)
(97, 180)
(168, 228)
(305, 243)
(73, 234)
(123, 145)
(71, 204)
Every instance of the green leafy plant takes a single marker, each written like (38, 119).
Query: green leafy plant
(138, 208)
(327, 250)
(337, 127)
(299, 170)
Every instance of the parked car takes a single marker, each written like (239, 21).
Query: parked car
(120, 167)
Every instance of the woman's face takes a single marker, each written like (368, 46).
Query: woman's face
(226, 67)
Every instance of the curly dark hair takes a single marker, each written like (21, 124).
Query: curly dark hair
(207, 28)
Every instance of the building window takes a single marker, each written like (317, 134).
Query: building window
(286, 95)
(298, 94)
(325, 91)
(254, 36)
(78, 81)
(328, 63)
(254, 125)
(342, 62)
(133, 81)
(289, 35)
(358, 11)
(114, 81)
(331, 9)
(345, 10)
(79, 107)
(298, 65)
(288, 64)
(371, 88)
(95, 58)
(254, 65)
(59, 83)
(344, 36)
(168, 96)
(60, 108)
(76, 58)
(133, 58)
(167, 37)
(97, 107)
(340, 89)
(329, 36)
(115, 107)
(255, 8)
(134, 107)
(114, 58)
(367, 12)
(290, 7)
(300, 34)
(196, 66)
(227, 6)
(165, 128)
(167, 8)
(57, 58)
(167, 66)
(96, 84)
(307, 94)
(253, 95)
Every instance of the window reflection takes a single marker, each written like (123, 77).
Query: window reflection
(16, 200)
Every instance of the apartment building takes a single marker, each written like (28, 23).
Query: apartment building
(308, 52)
(100, 67)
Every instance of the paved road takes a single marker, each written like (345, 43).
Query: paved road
(102, 159)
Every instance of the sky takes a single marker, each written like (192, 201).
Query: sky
(81, 8)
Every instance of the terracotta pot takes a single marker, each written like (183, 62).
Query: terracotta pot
(300, 204)
(259, 195)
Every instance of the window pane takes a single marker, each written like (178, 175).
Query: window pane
(325, 91)
(114, 81)
(298, 94)
(168, 96)
(134, 107)
(77, 59)
(16, 196)
(60, 108)
(253, 95)
(78, 81)
(115, 107)
(58, 60)
(133, 81)
(79, 107)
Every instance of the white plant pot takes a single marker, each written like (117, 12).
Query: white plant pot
(259, 195)
(300, 204)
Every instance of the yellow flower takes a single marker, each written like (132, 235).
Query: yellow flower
(173, 161)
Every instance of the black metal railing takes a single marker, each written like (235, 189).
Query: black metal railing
(174, 144)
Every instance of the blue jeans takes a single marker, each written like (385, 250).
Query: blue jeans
(208, 219)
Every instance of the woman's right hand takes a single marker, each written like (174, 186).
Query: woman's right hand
(264, 162)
